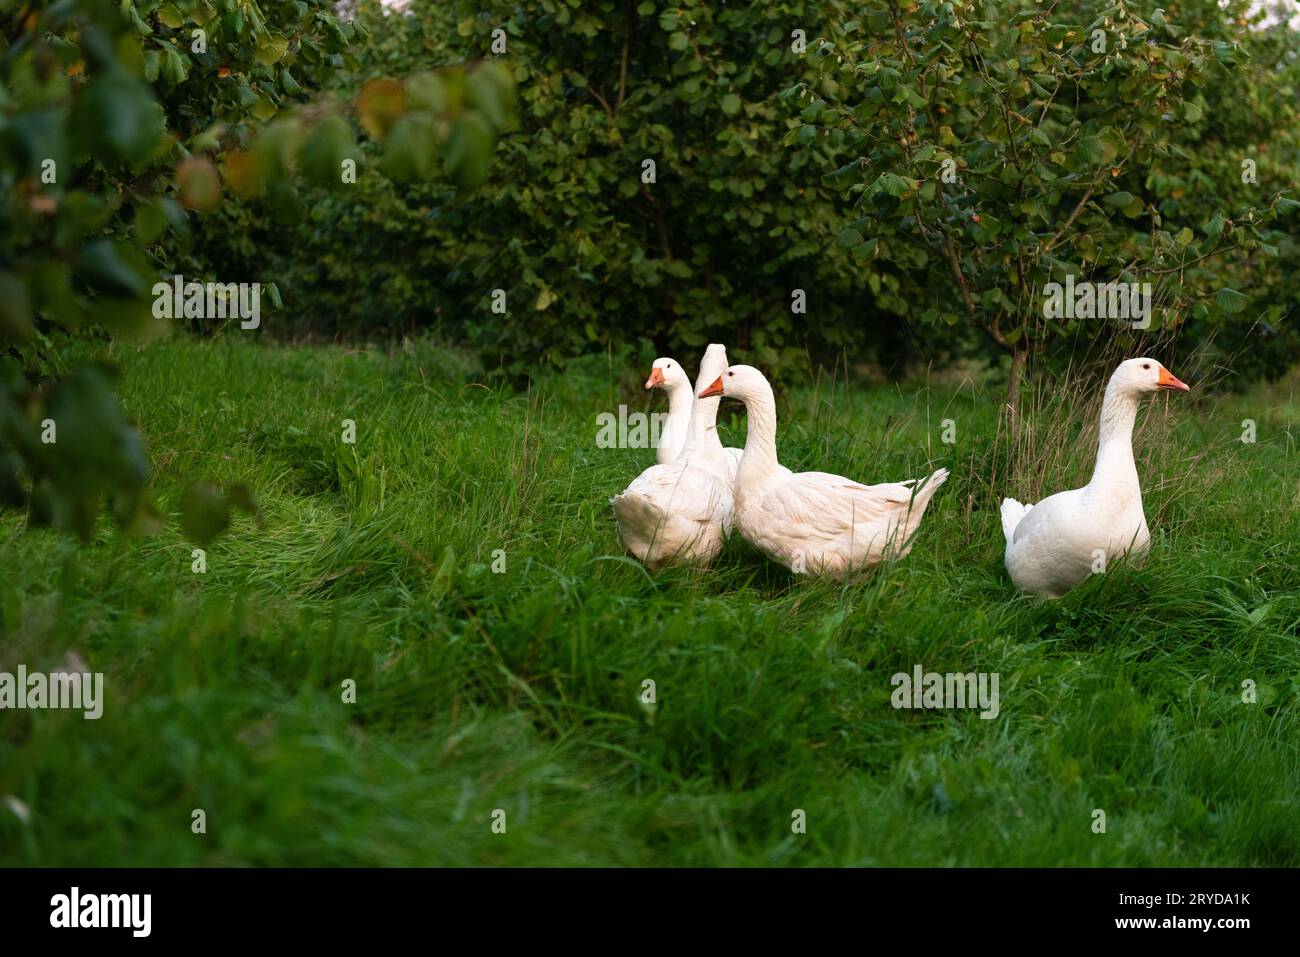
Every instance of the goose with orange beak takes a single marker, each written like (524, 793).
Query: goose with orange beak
(1058, 543)
(680, 511)
(668, 374)
(814, 523)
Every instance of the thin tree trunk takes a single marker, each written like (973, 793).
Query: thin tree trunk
(1019, 360)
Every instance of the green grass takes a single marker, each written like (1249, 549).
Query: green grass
(520, 691)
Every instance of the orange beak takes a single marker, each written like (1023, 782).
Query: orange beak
(1170, 381)
(656, 378)
(715, 389)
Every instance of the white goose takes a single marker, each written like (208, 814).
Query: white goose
(814, 522)
(1056, 544)
(681, 511)
(669, 375)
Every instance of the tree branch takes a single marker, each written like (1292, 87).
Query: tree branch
(603, 102)
(622, 71)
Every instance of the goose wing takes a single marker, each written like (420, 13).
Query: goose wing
(815, 504)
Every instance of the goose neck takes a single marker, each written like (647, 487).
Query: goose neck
(759, 460)
(1115, 465)
(703, 433)
(680, 400)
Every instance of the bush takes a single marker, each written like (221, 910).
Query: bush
(988, 162)
(586, 250)
(779, 167)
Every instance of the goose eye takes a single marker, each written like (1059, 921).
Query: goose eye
(730, 374)
(1146, 365)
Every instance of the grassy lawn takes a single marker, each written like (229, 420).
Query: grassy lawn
(521, 690)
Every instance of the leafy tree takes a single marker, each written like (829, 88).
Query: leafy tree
(990, 160)
(1242, 148)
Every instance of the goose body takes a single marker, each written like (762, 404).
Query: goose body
(733, 462)
(681, 511)
(814, 522)
(1056, 544)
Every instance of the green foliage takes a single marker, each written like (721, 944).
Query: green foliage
(120, 126)
(585, 250)
(778, 170)
(74, 443)
(1098, 143)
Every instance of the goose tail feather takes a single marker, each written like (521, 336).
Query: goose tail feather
(1013, 513)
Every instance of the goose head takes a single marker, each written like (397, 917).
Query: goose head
(713, 365)
(667, 374)
(1136, 377)
(739, 382)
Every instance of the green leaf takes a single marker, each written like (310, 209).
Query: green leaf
(1230, 301)
(1113, 143)
(105, 266)
(263, 108)
(169, 16)
(150, 221)
(892, 184)
(137, 515)
(271, 50)
(328, 146)
(488, 91)
(1225, 52)
(205, 513)
(240, 496)
(1214, 228)
(174, 66)
(411, 148)
(469, 151)
(119, 117)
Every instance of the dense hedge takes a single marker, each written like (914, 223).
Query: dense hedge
(747, 129)
(587, 253)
